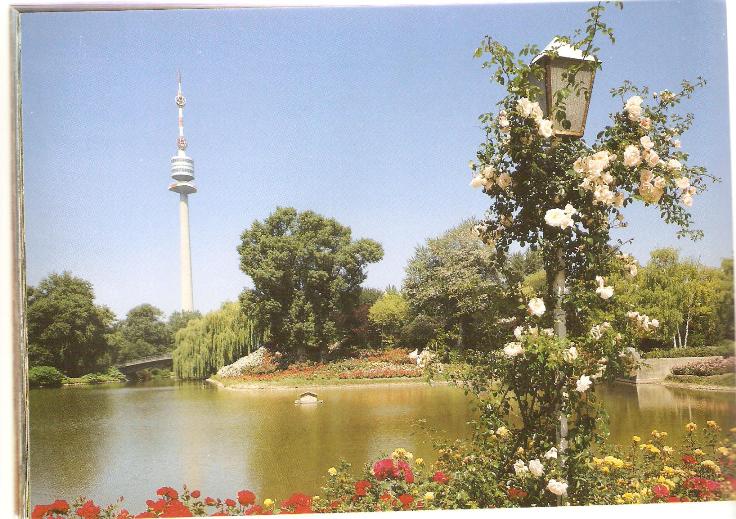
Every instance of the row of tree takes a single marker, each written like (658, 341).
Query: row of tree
(69, 331)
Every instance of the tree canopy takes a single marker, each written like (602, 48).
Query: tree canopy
(66, 329)
(142, 333)
(306, 271)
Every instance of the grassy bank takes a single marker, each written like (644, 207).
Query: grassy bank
(727, 380)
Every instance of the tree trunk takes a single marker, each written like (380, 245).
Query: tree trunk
(687, 327)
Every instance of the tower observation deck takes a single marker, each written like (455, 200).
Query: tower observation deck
(182, 172)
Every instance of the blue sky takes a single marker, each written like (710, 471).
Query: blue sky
(368, 115)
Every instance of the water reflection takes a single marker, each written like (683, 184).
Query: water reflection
(106, 441)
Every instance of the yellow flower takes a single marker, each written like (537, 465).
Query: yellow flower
(419, 461)
(712, 424)
(667, 449)
(712, 466)
(668, 470)
(690, 427)
(597, 461)
(610, 460)
(315, 498)
(502, 431)
(653, 449)
(733, 429)
(268, 503)
(429, 496)
(629, 496)
(635, 439)
(520, 451)
(698, 452)
(605, 469)
(723, 450)
(401, 454)
(332, 471)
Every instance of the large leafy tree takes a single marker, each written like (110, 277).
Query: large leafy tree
(66, 329)
(389, 314)
(142, 333)
(306, 271)
(687, 297)
(454, 280)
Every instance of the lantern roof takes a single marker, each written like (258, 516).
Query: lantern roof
(563, 50)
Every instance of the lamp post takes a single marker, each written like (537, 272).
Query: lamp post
(566, 84)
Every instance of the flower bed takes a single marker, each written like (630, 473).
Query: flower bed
(706, 368)
(702, 468)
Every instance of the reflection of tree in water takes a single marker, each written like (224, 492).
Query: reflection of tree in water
(68, 440)
(639, 409)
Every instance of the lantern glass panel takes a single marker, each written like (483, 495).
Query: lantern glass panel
(576, 102)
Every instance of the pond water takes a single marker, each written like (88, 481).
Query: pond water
(106, 441)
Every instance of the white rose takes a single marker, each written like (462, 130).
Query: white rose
(525, 106)
(518, 332)
(634, 101)
(503, 180)
(682, 182)
(536, 306)
(513, 349)
(536, 468)
(652, 158)
(560, 218)
(545, 128)
(674, 165)
(604, 292)
(583, 384)
(687, 200)
(646, 142)
(676, 143)
(558, 488)
(632, 156)
(570, 210)
(551, 454)
(571, 354)
(520, 468)
(478, 181)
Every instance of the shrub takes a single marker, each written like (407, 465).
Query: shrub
(724, 349)
(45, 376)
(706, 368)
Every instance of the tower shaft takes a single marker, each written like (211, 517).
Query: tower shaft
(185, 254)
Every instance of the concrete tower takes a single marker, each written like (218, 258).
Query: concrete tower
(182, 171)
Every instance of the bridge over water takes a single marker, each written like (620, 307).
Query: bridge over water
(154, 361)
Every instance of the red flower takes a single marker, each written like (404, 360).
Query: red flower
(195, 494)
(124, 514)
(254, 510)
(385, 469)
(440, 477)
(405, 470)
(209, 501)
(660, 491)
(229, 502)
(168, 492)
(157, 506)
(298, 504)
(89, 510)
(146, 514)
(673, 499)
(687, 458)
(517, 493)
(40, 511)
(361, 487)
(406, 500)
(176, 508)
(335, 504)
(385, 496)
(246, 497)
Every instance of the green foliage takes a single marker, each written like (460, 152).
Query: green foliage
(419, 332)
(454, 280)
(724, 349)
(66, 329)
(179, 319)
(142, 333)
(218, 338)
(691, 301)
(389, 313)
(306, 270)
(44, 376)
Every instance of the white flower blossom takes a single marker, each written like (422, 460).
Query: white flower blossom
(529, 108)
(570, 354)
(520, 468)
(536, 468)
(605, 292)
(536, 306)
(503, 180)
(545, 128)
(633, 107)
(513, 349)
(518, 332)
(551, 454)
(632, 156)
(558, 488)
(674, 165)
(560, 218)
(583, 384)
(646, 142)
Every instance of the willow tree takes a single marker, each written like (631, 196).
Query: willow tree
(214, 340)
(562, 197)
